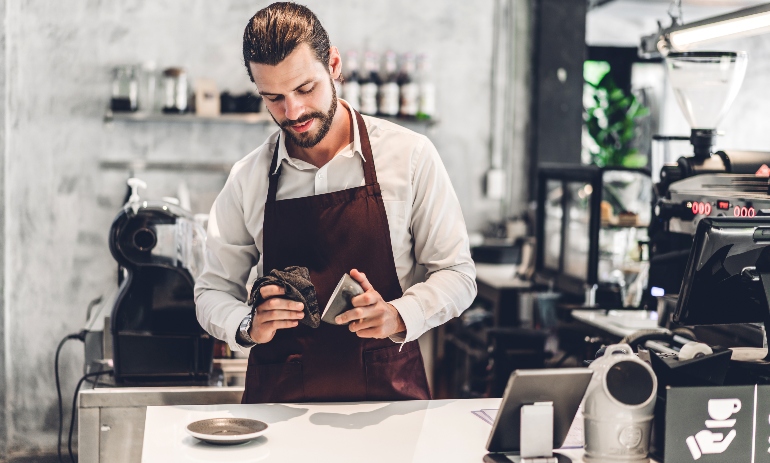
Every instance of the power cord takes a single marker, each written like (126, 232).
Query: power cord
(75, 402)
(80, 336)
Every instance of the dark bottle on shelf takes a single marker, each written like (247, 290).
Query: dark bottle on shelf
(389, 90)
(175, 91)
(370, 82)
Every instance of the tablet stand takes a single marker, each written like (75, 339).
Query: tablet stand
(536, 432)
(536, 436)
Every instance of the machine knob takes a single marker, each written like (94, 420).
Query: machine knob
(667, 209)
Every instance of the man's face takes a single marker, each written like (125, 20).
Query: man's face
(299, 94)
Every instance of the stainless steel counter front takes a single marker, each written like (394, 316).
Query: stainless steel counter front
(111, 420)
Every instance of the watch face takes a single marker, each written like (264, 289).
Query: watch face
(245, 328)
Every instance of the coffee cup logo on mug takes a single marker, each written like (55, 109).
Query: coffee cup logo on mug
(722, 409)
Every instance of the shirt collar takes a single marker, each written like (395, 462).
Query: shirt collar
(283, 154)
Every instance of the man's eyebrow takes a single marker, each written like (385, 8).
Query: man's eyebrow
(295, 89)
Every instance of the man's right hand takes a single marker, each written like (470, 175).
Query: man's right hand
(274, 314)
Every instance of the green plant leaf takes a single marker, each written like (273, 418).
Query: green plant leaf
(611, 121)
(635, 160)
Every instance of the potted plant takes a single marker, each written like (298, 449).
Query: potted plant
(610, 122)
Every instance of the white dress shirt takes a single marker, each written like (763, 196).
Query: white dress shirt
(427, 229)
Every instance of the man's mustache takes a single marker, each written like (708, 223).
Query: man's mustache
(305, 118)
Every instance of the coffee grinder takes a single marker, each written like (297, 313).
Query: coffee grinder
(705, 183)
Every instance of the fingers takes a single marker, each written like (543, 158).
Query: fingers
(365, 299)
(378, 321)
(271, 291)
(358, 325)
(271, 315)
(351, 315)
(361, 279)
(266, 322)
(278, 325)
(278, 303)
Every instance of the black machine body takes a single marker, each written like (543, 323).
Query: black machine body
(721, 162)
(155, 332)
(728, 183)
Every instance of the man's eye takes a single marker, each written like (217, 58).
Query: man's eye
(274, 98)
(305, 92)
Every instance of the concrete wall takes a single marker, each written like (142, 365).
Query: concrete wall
(3, 347)
(745, 125)
(60, 203)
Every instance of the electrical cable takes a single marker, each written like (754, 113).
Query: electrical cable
(81, 337)
(74, 406)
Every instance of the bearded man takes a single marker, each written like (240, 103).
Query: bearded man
(335, 192)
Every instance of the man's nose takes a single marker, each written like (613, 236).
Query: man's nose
(294, 108)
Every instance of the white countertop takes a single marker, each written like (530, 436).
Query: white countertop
(619, 322)
(413, 431)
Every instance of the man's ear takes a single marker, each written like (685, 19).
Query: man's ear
(335, 63)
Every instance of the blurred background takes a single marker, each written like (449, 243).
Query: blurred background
(90, 96)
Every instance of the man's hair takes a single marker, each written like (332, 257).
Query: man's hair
(275, 31)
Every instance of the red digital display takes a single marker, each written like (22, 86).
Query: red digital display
(701, 208)
(724, 205)
(743, 211)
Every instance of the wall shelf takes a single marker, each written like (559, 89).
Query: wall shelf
(136, 165)
(234, 118)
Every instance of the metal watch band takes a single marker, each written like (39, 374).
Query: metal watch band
(242, 337)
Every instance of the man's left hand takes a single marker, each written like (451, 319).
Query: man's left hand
(372, 316)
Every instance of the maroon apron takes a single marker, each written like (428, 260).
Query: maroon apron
(331, 234)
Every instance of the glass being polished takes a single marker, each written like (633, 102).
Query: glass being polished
(336, 192)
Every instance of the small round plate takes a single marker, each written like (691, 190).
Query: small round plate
(226, 430)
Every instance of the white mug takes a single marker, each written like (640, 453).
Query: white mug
(722, 409)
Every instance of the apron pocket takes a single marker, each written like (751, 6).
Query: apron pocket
(393, 375)
(276, 382)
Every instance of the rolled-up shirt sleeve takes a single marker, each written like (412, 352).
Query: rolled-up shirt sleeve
(220, 291)
(441, 245)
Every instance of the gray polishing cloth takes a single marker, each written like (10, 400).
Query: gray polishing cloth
(296, 282)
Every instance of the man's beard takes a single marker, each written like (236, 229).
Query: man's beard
(305, 140)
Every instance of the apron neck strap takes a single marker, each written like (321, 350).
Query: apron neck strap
(370, 173)
(272, 187)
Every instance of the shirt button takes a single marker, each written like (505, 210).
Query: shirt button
(320, 176)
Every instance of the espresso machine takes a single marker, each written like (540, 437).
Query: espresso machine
(154, 332)
(704, 183)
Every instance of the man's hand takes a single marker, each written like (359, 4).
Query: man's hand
(274, 314)
(372, 316)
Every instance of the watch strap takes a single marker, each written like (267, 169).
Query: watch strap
(242, 336)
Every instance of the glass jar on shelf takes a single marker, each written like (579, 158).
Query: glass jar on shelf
(148, 86)
(125, 89)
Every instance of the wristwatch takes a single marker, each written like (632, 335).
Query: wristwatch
(242, 337)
